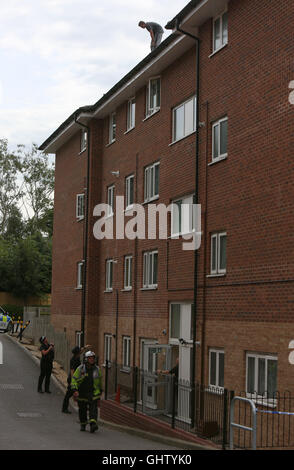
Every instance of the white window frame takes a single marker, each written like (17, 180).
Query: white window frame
(80, 267)
(126, 353)
(109, 275)
(151, 109)
(223, 42)
(107, 348)
(131, 114)
(110, 200)
(218, 270)
(112, 127)
(185, 323)
(80, 206)
(220, 156)
(148, 270)
(78, 336)
(216, 386)
(129, 204)
(184, 105)
(128, 266)
(184, 216)
(149, 182)
(84, 139)
(264, 399)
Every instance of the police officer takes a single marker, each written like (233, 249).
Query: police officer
(86, 384)
(46, 364)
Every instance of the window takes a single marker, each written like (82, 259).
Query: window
(218, 260)
(261, 375)
(110, 200)
(78, 341)
(216, 368)
(107, 348)
(153, 96)
(180, 322)
(220, 31)
(80, 206)
(220, 139)
(129, 191)
(80, 267)
(184, 119)
(182, 216)
(150, 261)
(151, 182)
(112, 128)
(126, 352)
(84, 137)
(128, 272)
(109, 274)
(131, 114)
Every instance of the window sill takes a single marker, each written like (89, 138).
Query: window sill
(79, 288)
(126, 370)
(216, 275)
(79, 219)
(265, 402)
(82, 151)
(108, 291)
(218, 50)
(150, 115)
(129, 130)
(182, 138)
(218, 160)
(149, 288)
(110, 143)
(155, 198)
(127, 289)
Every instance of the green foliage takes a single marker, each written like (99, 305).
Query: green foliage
(26, 221)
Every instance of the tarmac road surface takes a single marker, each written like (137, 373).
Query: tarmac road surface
(33, 421)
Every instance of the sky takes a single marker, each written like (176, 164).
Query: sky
(58, 55)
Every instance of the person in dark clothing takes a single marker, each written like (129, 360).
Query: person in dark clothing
(75, 362)
(155, 31)
(46, 364)
(23, 327)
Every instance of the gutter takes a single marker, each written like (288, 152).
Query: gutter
(85, 244)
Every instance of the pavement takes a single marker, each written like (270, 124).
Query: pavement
(59, 377)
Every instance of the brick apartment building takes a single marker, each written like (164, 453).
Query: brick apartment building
(140, 141)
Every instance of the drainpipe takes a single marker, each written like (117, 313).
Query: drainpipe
(85, 244)
(195, 201)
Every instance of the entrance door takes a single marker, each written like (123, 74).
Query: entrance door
(154, 389)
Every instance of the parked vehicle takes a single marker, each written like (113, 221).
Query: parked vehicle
(5, 320)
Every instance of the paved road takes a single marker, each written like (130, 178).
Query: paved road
(33, 421)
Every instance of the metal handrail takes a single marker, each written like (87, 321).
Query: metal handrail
(240, 426)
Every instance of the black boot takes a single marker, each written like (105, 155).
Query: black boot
(93, 427)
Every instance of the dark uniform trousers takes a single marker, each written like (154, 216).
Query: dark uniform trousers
(92, 405)
(46, 370)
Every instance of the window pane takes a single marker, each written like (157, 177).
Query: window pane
(156, 188)
(175, 321)
(179, 123)
(155, 268)
(213, 254)
(261, 376)
(225, 28)
(189, 117)
(272, 378)
(217, 34)
(212, 368)
(223, 137)
(131, 191)
(221, 372)
(176, 217)
(215, 141)
(250, 374)
(222, 252)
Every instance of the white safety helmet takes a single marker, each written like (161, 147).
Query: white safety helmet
(89, 354)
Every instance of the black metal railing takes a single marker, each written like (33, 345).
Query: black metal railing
(167, 399)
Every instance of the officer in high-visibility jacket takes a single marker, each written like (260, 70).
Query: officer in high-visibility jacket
(86, 384)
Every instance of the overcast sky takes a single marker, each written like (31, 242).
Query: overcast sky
(58, 55)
